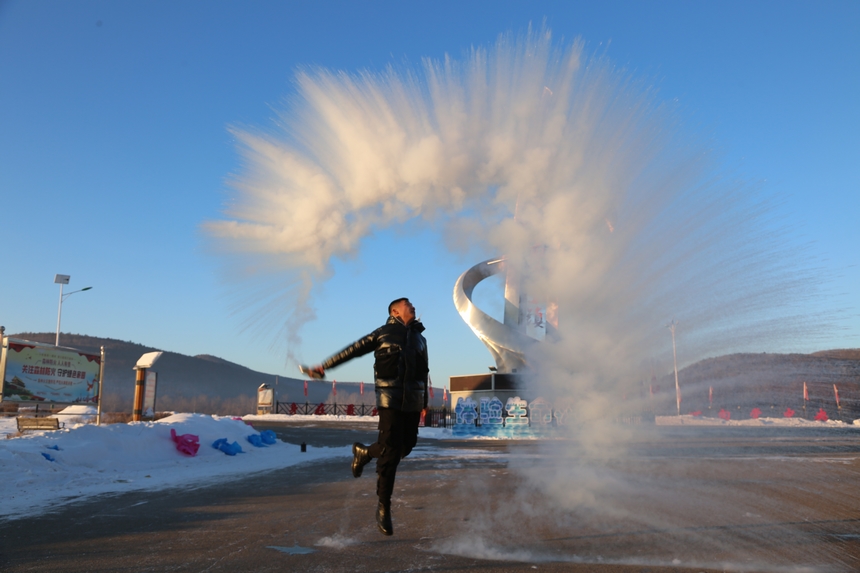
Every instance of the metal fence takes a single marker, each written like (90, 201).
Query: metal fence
(439, 418)
(446, 417)
(435, 417)
(811, 411)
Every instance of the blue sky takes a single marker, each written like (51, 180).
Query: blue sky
(114, 149)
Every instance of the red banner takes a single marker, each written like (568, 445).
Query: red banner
(306, 388)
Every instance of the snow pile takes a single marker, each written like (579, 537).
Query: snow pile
(78, 414)
(41, 469)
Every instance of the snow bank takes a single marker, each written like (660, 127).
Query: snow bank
(45, 469)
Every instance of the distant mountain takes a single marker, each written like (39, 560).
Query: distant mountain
(209, 384)
(841, 354)
(203, 383)
(765, 380)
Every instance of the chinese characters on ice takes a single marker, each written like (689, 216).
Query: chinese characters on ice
(516, 418)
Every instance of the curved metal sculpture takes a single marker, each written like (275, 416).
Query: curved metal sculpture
(507, 345)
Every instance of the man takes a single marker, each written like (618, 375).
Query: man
(400, 378)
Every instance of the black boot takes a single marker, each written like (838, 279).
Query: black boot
(360, 458)
(383, 518)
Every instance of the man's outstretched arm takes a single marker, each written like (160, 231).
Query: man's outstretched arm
(358, 348)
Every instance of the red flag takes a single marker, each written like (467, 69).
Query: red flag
(836, 393)
(444, 393)
(361, 388)
(805, 393)
(306, 388)
(710, 395)
(334, 387)
(431, 391)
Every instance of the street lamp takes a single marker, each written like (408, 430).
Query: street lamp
(63, 280)
(671, 327)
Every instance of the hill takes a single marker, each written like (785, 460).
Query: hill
(768, 381)
(209, 384)
(202, 383)
(841, 354)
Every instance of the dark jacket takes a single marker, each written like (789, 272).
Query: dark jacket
(401, 368)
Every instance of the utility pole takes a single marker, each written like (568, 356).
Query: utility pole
(671, 326)
(63, 280)
(60, 280)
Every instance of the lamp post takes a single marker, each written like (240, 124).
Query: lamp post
(671, 327)
(63, 280)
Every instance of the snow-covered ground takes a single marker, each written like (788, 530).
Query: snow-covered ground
(45, 468)
(42, 469)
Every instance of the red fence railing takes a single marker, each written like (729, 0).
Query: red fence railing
(435, 417)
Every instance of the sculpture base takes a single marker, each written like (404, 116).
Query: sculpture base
(491, 406)
(477, 386)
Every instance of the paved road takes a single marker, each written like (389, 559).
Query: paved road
(676, 499)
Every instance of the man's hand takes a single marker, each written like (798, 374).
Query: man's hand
(315, 372)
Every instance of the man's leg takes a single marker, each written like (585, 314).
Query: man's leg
(361, 454)
(390, 445)
(387, 450)
(410, 431)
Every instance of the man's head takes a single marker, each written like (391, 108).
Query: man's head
(402, 309)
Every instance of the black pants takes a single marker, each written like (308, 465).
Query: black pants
(398, 434)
